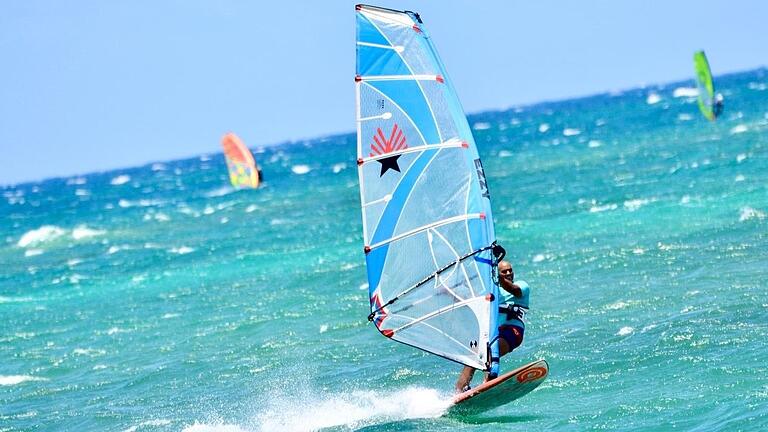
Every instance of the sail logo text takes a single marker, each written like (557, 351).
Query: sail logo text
(481, 179)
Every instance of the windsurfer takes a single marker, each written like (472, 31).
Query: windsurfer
(512, 308)
(717, 109)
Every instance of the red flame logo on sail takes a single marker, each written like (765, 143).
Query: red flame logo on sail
(384, 146)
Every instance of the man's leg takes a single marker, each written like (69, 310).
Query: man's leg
(464, 379)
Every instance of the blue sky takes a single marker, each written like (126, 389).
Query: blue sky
(91, 85)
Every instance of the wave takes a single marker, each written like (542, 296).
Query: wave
(653, 99)
(353, 409)
(218, 192)
(120, 180)
(300, 169)
(481, 126)
(81, 231)
(690, 92)
(9, 380)
(43, 234)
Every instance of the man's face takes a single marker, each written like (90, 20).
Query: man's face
(505, 272)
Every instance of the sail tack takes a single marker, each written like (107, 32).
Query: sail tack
(427, 222)
(243, 172)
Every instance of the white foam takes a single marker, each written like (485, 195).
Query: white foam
(690, 92)
(76, 181)
(251, 208)
(9, 380)
(349, 410)
(543, 127)
(363, 287)
(124, 203)
(159, 422)
(625, 331)
(300, 169)
(43, 234)
(739, 129)
(594, 144)
(571, 132)
(653, 98)
(505, 154)
(337, 168)
(33, 252)
(204, 158)
(481, 126)
(757, 86)
(632, 205)
(747, 213)
(158, 167)
(120, 180)
(323, 328)
(82, 192)
(684, 117)
(739, 178)
(80, 232)
(183, 250)
(224, 190)
(208, 210)
(220, 427)
(740, 157)
(602, 208)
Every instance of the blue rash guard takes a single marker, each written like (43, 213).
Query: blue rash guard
(519, 306)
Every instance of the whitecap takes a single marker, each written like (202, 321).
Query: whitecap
(300, 169)
(740, 157)
(571, 132)
(80, 232)
(653, 98)
(204, 158)
(9, 380)
(120, 180)
(363, 287)
(505, 153)
(224, 190)
(747, 213)
(337, 168)
(543, 127)
(82, 192)
(208, 210)
(638, 251)
(481, 126)
(739, 129)
(602, 208)
(690, 92)
(684, 117)
(594, 144)
(625, 331)
(158, 167)
(43, 234)
(33, 252)
(632, 205)
(323, 328)
(251, 208)
(183, 250)
(76, 181)
(739, 178)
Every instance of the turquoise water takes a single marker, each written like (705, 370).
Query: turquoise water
(157, 298)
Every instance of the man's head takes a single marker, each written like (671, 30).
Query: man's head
(506, 273)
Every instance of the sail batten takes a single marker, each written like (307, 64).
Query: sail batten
(427, 221)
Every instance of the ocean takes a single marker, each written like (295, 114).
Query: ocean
(157, 298)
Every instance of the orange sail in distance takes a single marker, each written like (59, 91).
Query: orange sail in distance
(243, 171)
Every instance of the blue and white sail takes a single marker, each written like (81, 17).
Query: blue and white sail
(427, 222)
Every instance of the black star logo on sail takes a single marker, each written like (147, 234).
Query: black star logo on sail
(389, 163)
(384, 146)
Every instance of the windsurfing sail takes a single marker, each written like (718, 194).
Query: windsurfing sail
(243, 171)
(705, 85)
(427, 222)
